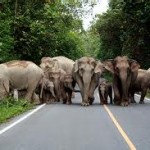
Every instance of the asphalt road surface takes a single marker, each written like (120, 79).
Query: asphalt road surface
(73, 127)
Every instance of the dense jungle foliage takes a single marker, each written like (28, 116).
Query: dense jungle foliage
(31, 29)
(125, 30)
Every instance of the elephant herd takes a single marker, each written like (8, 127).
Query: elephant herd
(56, 77)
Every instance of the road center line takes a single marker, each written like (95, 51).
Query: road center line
(120, 129)
(122, 132)
(21, 119)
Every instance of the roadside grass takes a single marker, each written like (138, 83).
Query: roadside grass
(10, 108)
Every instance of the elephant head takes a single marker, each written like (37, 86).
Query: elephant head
(47, 85)
(125, 72)
(68, 81)
(56, 76)
(48, 64)
(86, 72)
(4, 87)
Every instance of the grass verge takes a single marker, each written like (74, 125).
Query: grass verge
(10, 108)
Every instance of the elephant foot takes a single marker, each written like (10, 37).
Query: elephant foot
(69, 103)
(64, 102)
(133, 101)
(111, 103)
(91, 100)
(141, 102)
(48, 102)
(124, 104)
(117, 102)
(103, 103)
(85, 104)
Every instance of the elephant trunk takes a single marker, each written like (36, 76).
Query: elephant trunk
(52, 91)
(86, 83)
(124, 88)
(57, 90)
(103, 93)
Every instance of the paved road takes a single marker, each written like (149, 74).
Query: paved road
(62, 127)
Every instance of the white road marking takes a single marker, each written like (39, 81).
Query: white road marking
(120, 129)
(21, 119)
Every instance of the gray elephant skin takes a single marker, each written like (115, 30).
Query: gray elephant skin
(67, 87)
(86, 72)
(54, 69)
(46, 88)
(105, 91)
(141, 84)
(20, 75)
(124, 72)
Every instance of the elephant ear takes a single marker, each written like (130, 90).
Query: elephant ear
(76, 67)
(134, 65)
(62, 74)
(99, 68)
(109, 65)
(6, 86)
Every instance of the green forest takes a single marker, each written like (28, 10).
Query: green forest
(31, 29)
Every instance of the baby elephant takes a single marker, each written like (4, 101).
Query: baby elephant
(46, 90)
(67, 87)
(105, 90)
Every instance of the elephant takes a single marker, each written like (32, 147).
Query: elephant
(55, 68)
(105, 90)
(46, 88)
(67, 87)
(48, 63)
(141, 84)
(86, 72)
(56, 76)
(124, 72)
(20, 75)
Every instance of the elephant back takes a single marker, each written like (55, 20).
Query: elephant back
(65, 63)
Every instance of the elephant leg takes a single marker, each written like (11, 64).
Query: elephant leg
(69, 97)
(80, 84)
(64, 95)
(110, 97)
(30, 91)
(35, 98)
(91, 91)
(117, 97)
(132, 100)
(143, 93)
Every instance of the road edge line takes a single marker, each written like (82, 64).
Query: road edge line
(21, 119)
(120, 129)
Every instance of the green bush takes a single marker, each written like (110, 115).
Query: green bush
(10, 108)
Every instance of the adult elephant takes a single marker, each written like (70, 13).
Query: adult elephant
(55, 68)
(20, 75)
(124, 72)
(86, 72)
(48, 63)
(141, 84)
